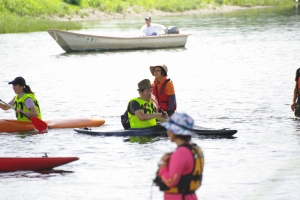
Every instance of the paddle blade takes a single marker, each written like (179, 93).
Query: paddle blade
(40, 125)
(154, 101)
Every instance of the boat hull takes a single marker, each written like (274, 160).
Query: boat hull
(10, 164)
(70, 41)
(153, 131)
(17, 126)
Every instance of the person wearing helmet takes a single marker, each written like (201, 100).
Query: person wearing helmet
(180, 172)
(163, 89)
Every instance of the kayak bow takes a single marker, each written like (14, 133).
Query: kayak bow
(10, 164)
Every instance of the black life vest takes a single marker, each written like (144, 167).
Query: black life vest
(188, 183)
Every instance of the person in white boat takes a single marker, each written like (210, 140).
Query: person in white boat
(150, 29)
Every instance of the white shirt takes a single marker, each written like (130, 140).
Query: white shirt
(148, 31)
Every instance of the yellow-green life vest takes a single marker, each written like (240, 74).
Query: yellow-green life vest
(20, 103)
(148, 108)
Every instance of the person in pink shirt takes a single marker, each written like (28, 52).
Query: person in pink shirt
(180, 172)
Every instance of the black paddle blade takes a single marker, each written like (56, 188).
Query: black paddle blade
(40, 125)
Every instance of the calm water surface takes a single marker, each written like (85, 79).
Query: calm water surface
(236, 71)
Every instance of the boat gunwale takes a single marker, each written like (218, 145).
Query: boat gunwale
(120, 38)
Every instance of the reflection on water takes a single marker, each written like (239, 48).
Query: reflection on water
(31, 174)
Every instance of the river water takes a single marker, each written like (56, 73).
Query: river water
(236, 71)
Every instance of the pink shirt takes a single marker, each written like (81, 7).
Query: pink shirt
(181, 162)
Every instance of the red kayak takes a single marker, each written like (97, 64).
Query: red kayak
(9, 164)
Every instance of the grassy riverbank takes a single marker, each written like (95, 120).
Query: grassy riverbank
(40, 15)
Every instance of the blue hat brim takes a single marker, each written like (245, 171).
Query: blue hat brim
(177, 130)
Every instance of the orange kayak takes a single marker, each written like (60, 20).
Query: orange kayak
(10, 164)
(17, 126)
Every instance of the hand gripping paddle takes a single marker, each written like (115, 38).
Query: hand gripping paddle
(40, 125)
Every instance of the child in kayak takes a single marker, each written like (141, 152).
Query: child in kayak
(163, 89)
(141, 111)
(24, 101)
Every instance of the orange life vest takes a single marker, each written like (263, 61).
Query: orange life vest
(163, 99)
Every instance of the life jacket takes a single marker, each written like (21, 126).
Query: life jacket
(148, 108)
(188, 183)
(163, 99)
(20, 103)
(298, 82)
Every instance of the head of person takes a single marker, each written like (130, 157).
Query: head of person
(19, 85)
(148, 20)
(159, 71)
(179, 127)
(145, 89)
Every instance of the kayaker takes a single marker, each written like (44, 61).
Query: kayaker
(295, 106)
(180, 172)
(163, 89)
(142, 113)
(150, 29)
(24, 101)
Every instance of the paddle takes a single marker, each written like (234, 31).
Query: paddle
(154, 101)
(40, 125)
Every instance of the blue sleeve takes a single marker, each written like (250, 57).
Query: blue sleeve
(172, 101)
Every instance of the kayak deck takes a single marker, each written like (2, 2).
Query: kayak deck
(10, 164)
(10, 126)
(152, 131)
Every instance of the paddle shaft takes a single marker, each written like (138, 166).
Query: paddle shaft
(14, 108)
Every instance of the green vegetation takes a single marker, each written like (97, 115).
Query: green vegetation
(35, 15)
(141, 139)
(13, 23)
(256, 2)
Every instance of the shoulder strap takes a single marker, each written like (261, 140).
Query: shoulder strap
(164, 85)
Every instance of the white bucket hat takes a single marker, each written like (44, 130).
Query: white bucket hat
(164, 67)
(180, 124)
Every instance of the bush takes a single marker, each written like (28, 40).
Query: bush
(73, 2)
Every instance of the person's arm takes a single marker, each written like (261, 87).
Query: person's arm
(170, 91)
(161, 26)
(156, 27)
(163, 117)
(172, 102)
(172, 171)
(142, 116)
(293, 105)
(30, 105)
(135, 108)
(6, 107)
(143, 31)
